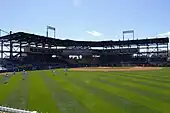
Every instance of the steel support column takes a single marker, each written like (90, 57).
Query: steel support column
(43, 45)
(167, 51)
(147, 53)
(157, 49)
(138, 47)
(20, 48)
(2, 51)
(11, 49)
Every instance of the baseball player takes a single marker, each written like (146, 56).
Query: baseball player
(24, 74)
(66, 70)
(54, 72)
(6, 78)
(14, 72)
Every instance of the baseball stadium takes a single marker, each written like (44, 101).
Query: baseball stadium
(69, 76)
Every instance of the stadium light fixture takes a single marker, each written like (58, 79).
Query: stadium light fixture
(51, 28)
(128, 32)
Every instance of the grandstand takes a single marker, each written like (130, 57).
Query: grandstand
(25, 50)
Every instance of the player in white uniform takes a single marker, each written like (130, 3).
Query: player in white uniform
(6, 78)
(24, 74)
(54, 72)
(66, 70)
(14, 72)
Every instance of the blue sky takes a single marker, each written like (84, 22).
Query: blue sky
(87, 19)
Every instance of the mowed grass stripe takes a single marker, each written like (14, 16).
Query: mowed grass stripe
(138, 81)
(142, 84)
(94, 103)
(151, 79)
(142, 89)
(132, 96)
(65, 101)
(151, 76)
(40, 99)
(134, 87)
(143, 77)
(137, 88)
(6, 89)
(124, 75)
(157, 84)
(19, 97)
(115, 100)
(160, 74)
(162, 89)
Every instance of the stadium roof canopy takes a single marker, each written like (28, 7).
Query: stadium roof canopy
(27, 37)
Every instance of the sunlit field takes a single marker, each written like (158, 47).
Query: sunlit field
(89, 92)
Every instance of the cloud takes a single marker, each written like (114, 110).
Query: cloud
(76, 3)
(164, 34)
(94, 33)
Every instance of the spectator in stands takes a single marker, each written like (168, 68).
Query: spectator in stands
(49, 67)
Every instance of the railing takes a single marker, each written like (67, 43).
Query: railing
(12, 110)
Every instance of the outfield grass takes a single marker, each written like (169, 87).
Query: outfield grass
(89, 92)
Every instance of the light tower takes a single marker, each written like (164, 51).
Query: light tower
(51, 28)
(128, 32)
